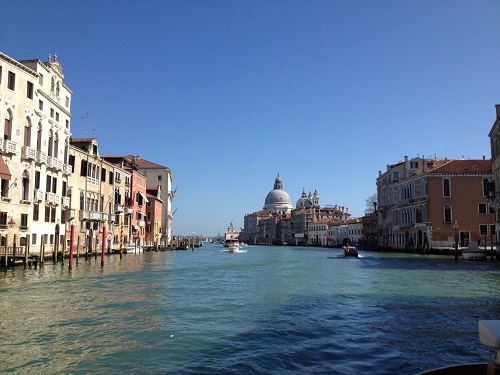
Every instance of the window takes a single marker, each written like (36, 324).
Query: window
(36, 211)
(53, 214)
(29, 90)
(40, 79)
(111, 177)
(57, 116)
(24, 221)
(67, 124)
(33, 239)
(11, 81)
(37, 179)
(82, 201)
(67, 102)
(7, 127)
(148, 228)
(447, 214)
(40, 105)
(47, 213)
(446, 188)
(482, 208)
(52, 112)
(483, 229)
(103, 174)
(3, 220)
(159, 177)
(25, 187)
(414, 164)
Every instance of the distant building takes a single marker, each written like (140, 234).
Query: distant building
(277, 200)
(422, 203)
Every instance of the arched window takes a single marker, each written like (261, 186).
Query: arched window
(52, 84)
(446, 187)
(25, 186)
(82, 201)
(39, 137)
(27, 133)
(51, 138)
(58, 89)
(56, 145)
(447, 214)
(7, 130)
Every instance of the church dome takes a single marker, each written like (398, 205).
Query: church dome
(303, 201)
(278, 200)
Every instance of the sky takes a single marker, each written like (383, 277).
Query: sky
(229, 94)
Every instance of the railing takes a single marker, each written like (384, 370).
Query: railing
(39, 194)
(41, 157)
(28, 153)
(70, 213)
(57, 199)
(54, 163)
(92, 180)
(66, 201)
(9, 147)
(84, 215)
(118, 208)
(67, 169)
(50, 197)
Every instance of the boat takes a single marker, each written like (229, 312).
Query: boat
(231, 235)
(350, 251)
(473, 252)
(131, 249)
(233, 245)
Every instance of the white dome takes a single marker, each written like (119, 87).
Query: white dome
(278, 199)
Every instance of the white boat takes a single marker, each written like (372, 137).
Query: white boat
(131, 249)
(231, 236)
(473, 252)
(233, 245)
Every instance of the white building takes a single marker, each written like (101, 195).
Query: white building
(35, 114)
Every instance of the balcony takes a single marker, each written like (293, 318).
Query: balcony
(9, 147)
(57, 200)
(39, 194)
(70, 213)
(41, 157)
(50, 197)
(92, 181)
(84, 215)
(28, 153)
(67, 169)
(66, 201)
(141, 223)
(97, 216)
(118, 208)
(128, 211)
(54, 163)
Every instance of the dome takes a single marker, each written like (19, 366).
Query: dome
(278, 200)
(303, 201)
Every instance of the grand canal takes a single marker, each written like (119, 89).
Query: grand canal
(267, 310)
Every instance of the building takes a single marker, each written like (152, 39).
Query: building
(157, 175)
(424, 203)
(154, 213)
(35, 114)
(494, 188)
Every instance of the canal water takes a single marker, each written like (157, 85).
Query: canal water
(273, 310)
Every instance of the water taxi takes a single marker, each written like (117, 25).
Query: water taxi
(350, 251)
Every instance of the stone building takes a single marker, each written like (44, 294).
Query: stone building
(424, 203)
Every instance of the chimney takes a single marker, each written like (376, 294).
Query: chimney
(497, 106)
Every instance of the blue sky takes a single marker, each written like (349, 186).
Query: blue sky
(230, 93)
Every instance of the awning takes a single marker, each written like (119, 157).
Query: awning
(144, 197)
(4, 170)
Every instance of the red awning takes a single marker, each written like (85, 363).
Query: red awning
(4, 170)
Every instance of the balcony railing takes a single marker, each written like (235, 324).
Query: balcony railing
(57, 199)
(128, 211)
(9, 147)
(92, 180)
(39, 194)
(66, 201)
(67, 169)
(50, 197)
(28, 153)
(118, 208)
(54, 163)
(41, 157)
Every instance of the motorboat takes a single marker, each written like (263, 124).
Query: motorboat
(350, 251)
(473, 252)
(233, 245)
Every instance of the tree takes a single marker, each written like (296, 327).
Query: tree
(370, 203)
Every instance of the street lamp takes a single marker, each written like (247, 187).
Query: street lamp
(455, 227)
